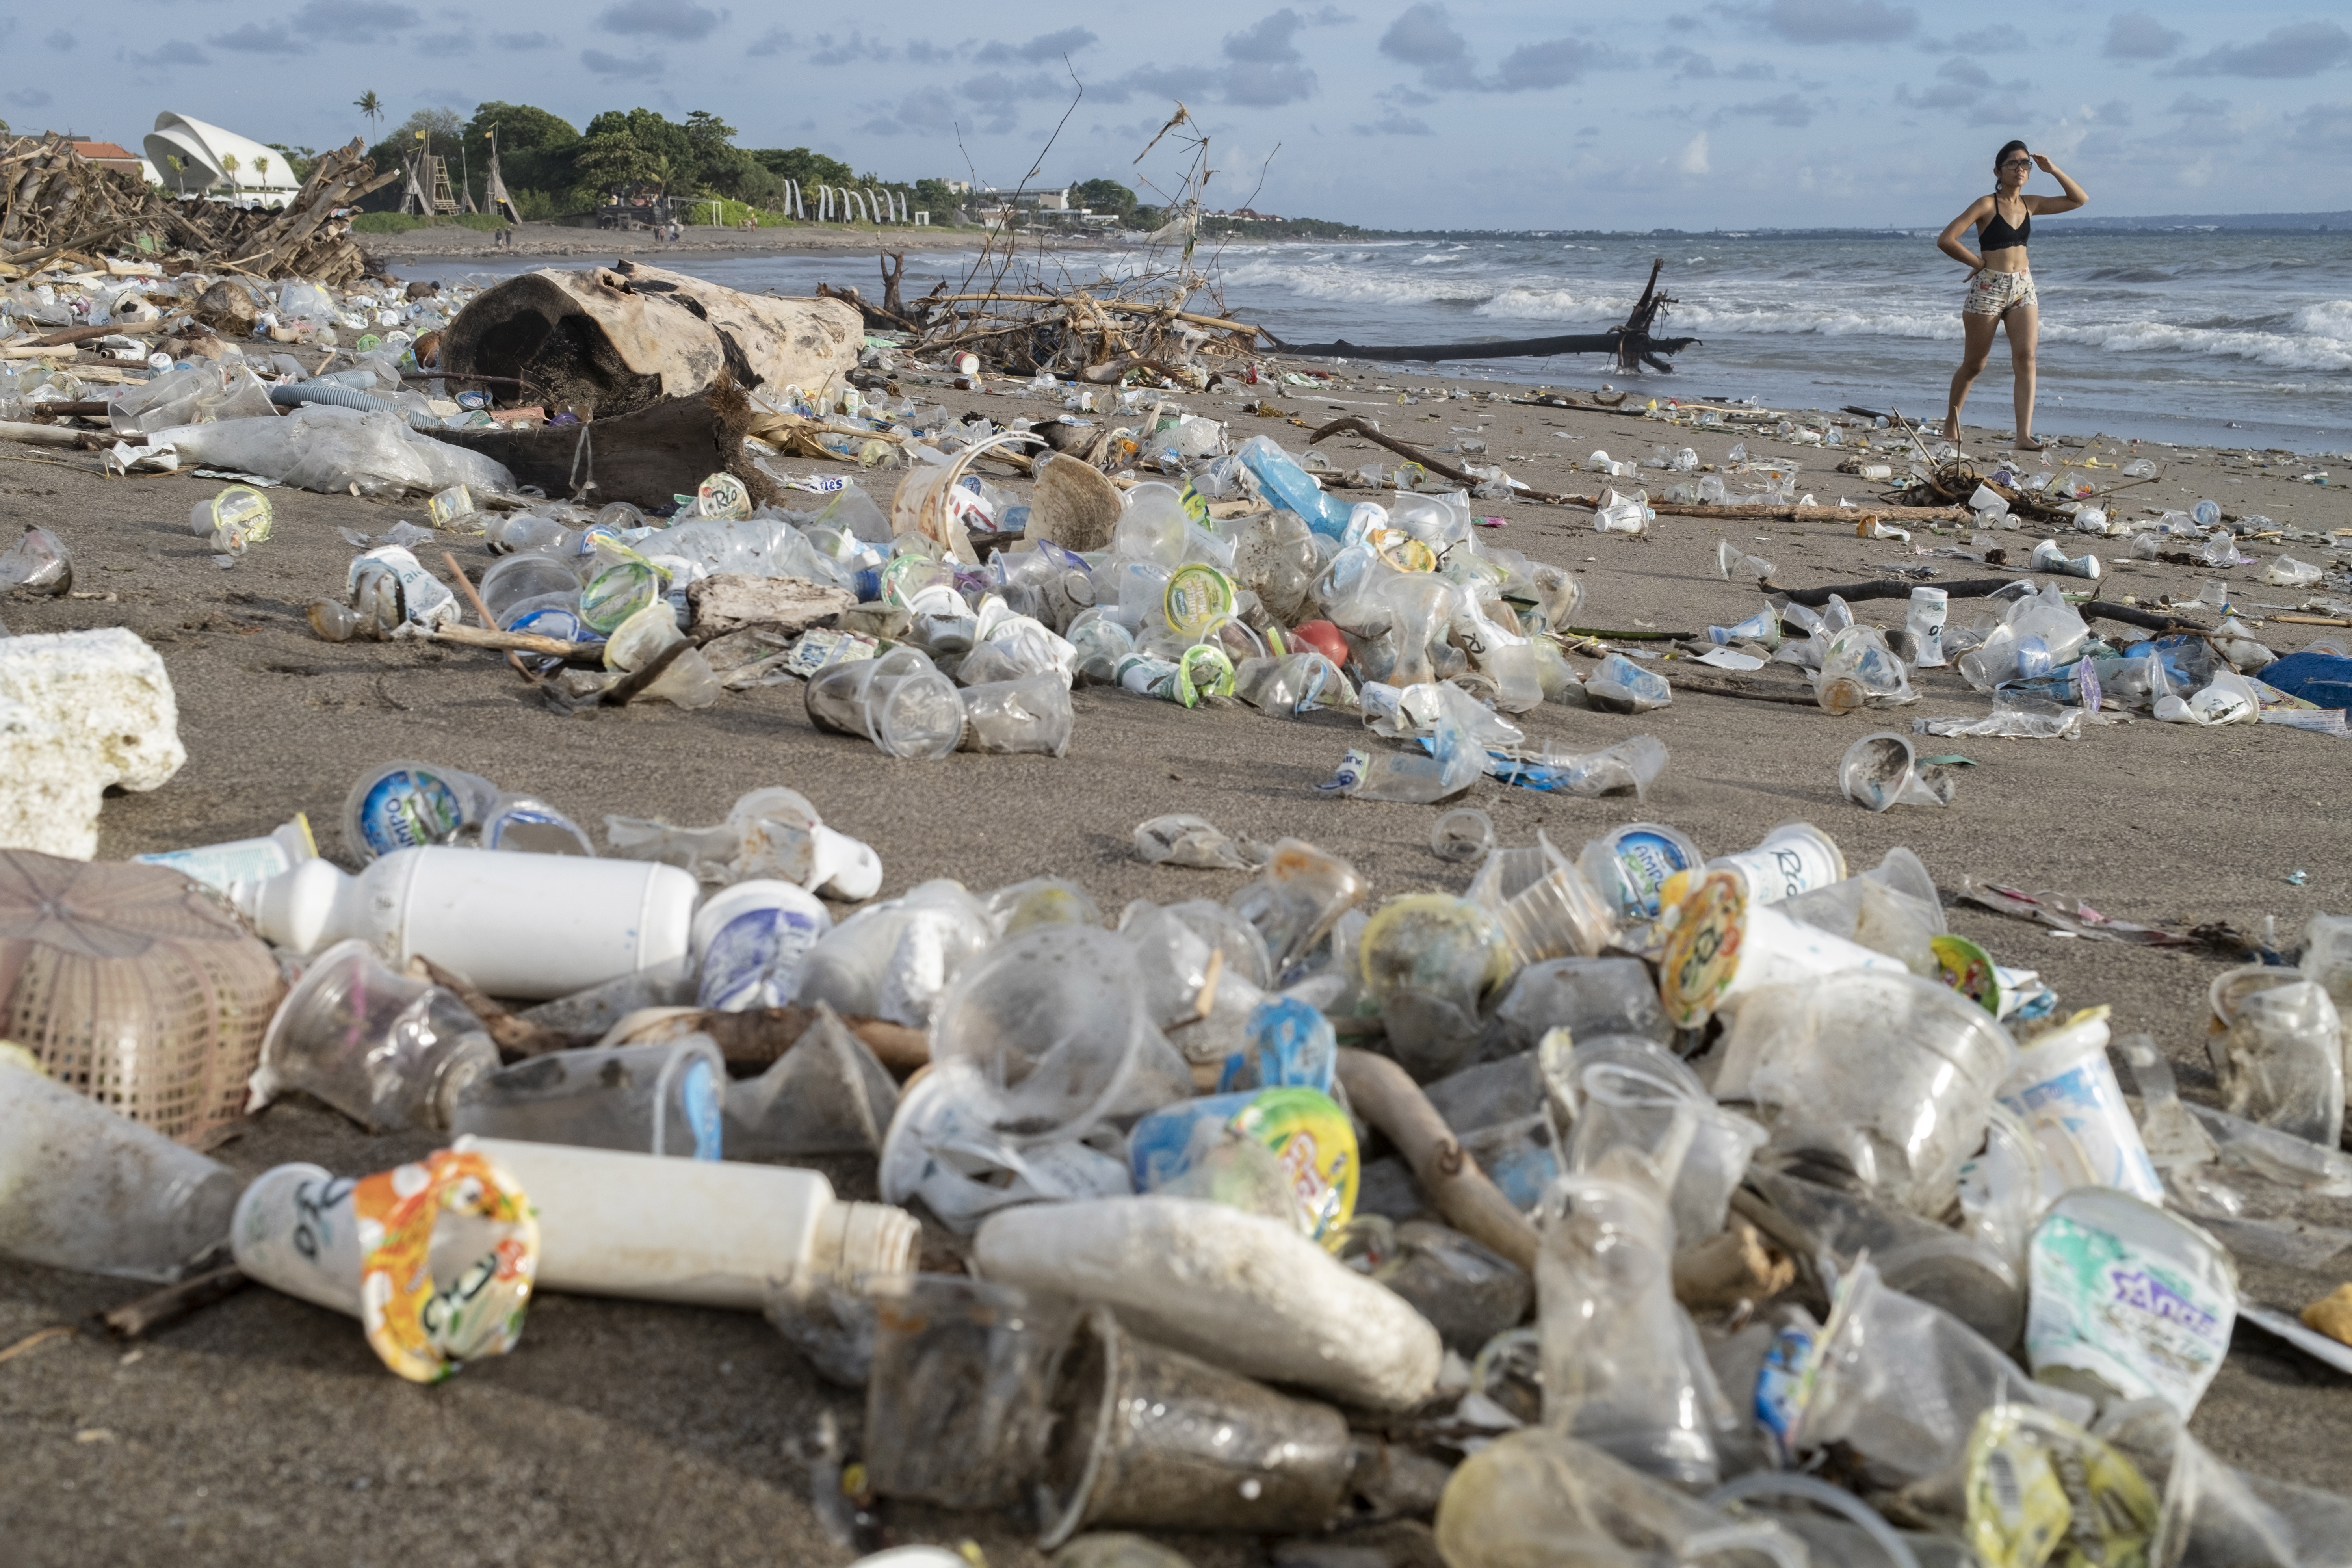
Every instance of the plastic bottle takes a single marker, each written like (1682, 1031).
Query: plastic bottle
(663, 1099)
(516, 925)
(1291, 488)
(224, 865)
(706, 1233)
(84, 1188)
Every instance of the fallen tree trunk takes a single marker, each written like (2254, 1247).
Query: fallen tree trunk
(1630, 343)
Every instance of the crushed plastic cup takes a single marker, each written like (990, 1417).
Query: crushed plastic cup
(2276, 1046)
(1858, 670)
(387, 1051)
(1428, 959)
(1616, 1370)
(1546, 907)
(664, 1099)
(234, 521)
(1869, 1075)
(1296, 899)
(1699, 1150)
(1620, 685)
(2128, 1300)
(1589, 997)
(1925, 621)
(1054, 1020)
(2050, 556)
(1901, 1384)
(1541, 1495)
(37, 562)
(1151, 1439)
(368, 1248)
(1883, 770)
(956, 1408)
(2065, 1090)
(749, 940)
(87, 1188)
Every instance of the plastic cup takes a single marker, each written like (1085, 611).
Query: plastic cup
(955, 1407)
(1925, 624)
(2278, 1048)
(1724, 944)
(392, 1250)
(1545, 905)
(404, 804)
(385, 1050)
(1794, 858)
(1589, 997)
(2065, 1088)
(1151, 1438)
(1877, 1080)
(85, 1187)
(748, 943)
(1465, 833)
(898, 701)
(663, 1099)
(1630, 867)
(1883, 770)
(527, 574)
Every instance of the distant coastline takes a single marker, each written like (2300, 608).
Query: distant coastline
(2167, 223)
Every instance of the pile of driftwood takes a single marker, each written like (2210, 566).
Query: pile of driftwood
(56, 204)
(1095, 333)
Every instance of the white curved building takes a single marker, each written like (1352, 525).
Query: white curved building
(203, 151)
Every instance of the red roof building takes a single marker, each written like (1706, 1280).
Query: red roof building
(106, 155)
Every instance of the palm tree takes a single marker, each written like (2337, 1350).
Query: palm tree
(228, 161)
(370, 105)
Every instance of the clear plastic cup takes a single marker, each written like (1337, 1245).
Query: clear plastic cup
(1883, 770)
(387, 1051)
(665, 1098)
(526, 574)
(1151, 1439)
(956, 1406)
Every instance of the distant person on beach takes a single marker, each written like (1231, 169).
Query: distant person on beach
(2001, 286)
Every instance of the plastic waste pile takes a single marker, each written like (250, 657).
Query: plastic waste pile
(201, 368)
(1637, 1204)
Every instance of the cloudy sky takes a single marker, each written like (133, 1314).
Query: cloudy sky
(1441, 113)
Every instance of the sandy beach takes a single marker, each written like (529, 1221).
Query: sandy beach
(450, 241)
(626, 1433)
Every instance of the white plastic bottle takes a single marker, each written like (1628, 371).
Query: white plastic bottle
(708, 1233)
(515, 925)
(242, 860)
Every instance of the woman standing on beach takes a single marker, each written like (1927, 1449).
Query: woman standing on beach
(2001, 288)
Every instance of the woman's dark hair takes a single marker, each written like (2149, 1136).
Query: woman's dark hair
(2002, 157)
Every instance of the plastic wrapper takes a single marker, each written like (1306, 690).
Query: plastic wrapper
(320, 447)
(1620, 685)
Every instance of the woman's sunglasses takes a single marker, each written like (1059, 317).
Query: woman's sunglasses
(2018, 164)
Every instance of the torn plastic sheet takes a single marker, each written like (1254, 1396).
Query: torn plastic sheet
(2065, 912)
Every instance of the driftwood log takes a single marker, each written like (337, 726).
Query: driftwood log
(1385, 1096)
(1630, 343)
(607, 341)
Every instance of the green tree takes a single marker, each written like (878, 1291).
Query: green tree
(809, 168)
(521, 128)
(1104, 196)
(230, 163)
(300, 161)
(611, 158)
(371, 108)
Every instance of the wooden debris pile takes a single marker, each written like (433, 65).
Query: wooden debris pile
(56, 202)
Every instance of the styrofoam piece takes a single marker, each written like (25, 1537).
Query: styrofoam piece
(78, 712)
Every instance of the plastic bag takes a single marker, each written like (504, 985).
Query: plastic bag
(322, 448)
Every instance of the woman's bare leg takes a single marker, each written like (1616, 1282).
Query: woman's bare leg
(2024, 324)
(1978, 330)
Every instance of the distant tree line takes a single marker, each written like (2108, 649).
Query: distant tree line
(552, 169)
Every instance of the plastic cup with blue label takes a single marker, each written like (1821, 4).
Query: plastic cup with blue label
(404, 804)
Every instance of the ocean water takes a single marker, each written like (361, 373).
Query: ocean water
(2233, 339)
